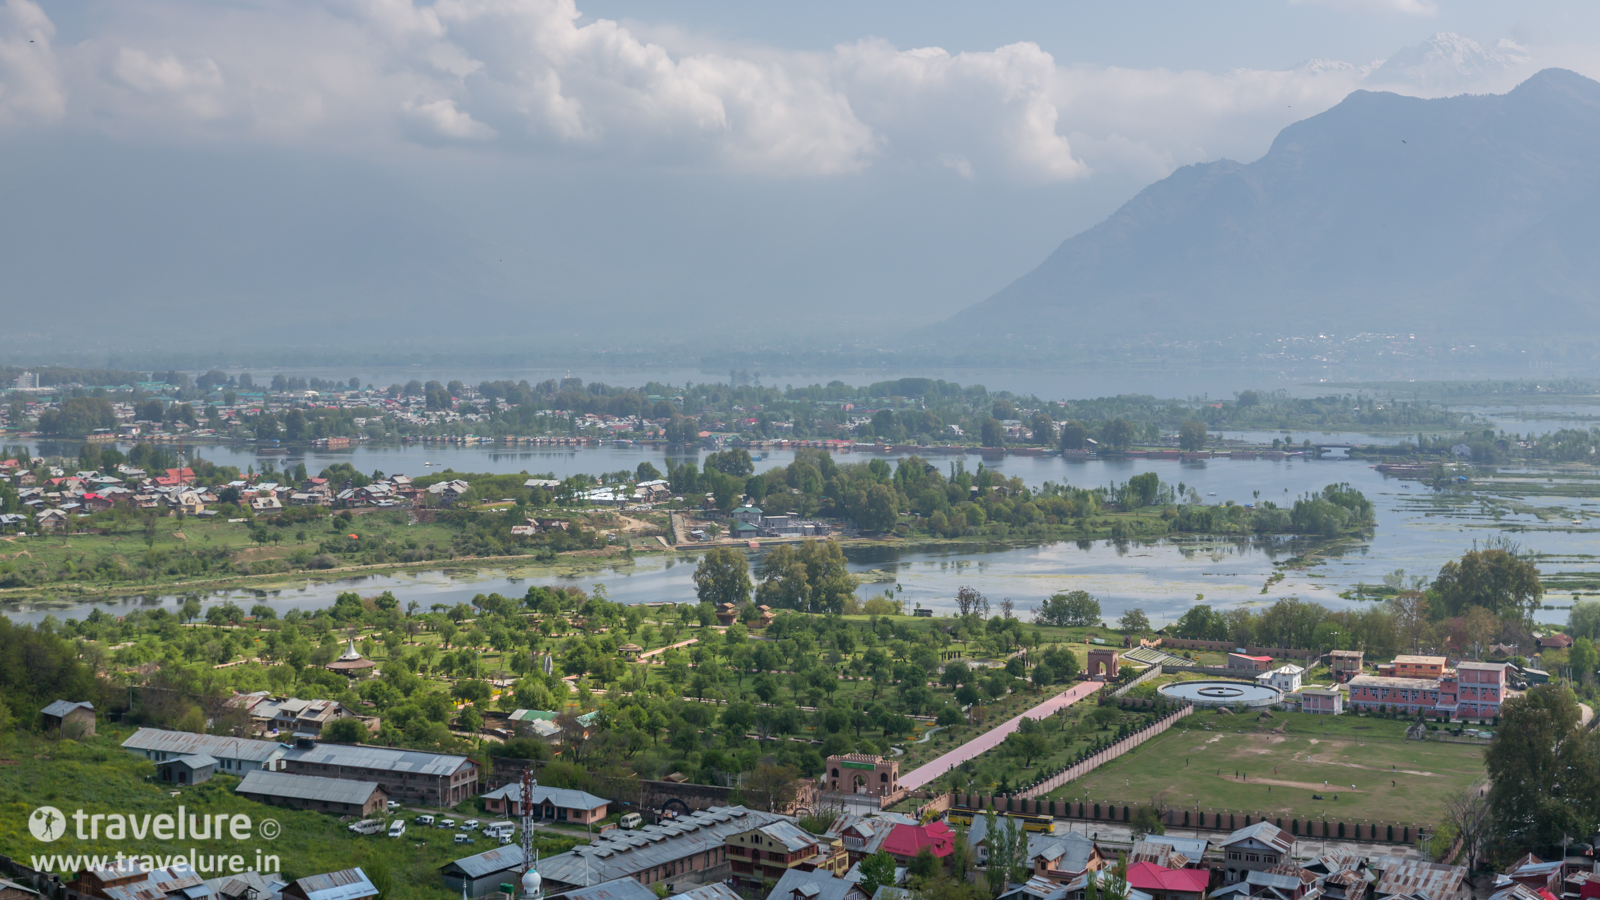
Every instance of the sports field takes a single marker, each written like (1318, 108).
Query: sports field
(1375, 774)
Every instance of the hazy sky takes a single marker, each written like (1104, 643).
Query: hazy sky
(762, 162)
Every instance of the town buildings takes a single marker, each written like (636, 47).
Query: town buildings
(688, 849)
(1470, 690)
(407, 776)
(335, 796)
(74, 720)
(548, 804)
(1254, 849)
(766, 852)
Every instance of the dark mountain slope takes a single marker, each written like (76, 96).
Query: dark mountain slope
(1471, 215)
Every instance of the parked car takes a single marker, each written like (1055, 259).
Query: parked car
(397, 828)
(499, 829)
(446, 823)
(367, 826)
(424, 819)
(394, 805)
(631, 821)
(469, 825)
(463, 838)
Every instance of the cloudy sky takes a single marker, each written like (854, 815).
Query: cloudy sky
(779, 166)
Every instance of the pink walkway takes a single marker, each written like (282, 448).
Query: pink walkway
(991, 739)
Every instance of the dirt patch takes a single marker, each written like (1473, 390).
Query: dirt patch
(181, 536)
(254, 554)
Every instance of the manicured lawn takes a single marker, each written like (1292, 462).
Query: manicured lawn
(1191, 765)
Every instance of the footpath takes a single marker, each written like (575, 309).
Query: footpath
(991, 739)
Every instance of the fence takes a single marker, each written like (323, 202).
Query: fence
(1171, 643)
(1196, 819)
(1074, 772)
(1146, 675)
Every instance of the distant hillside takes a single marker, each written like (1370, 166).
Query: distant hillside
(1472, 216)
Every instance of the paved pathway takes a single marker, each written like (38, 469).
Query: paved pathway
(990, 739)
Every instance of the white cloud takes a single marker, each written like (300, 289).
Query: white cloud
(1404, 7)
(30, 83)
(528, 77)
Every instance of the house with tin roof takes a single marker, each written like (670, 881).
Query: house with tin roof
(1254, 848)
(334, 796)
(548, 803)
(345, 884)
(483, 873)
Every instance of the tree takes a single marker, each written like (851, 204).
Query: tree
(1545, 781)
(1070, 609)
(811, 577)
(1494, 579)
(1008, 851)
(1411, 617)
(1467, 812)
(1584, 619)
(772, 788)
(1192, 435)
(1134, 620)
(1044, 430)
(78, 416)
(723, 576)
(877, 871)
(875, 509)
(970, 602)
(1117, 434)
(992, 433)
(1583, 660)
(1147, 820)
(1202, 623)
(1074, 435)
(344, 731)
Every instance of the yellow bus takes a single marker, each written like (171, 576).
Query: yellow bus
(962, 815)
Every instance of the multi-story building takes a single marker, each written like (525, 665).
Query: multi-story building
(764, 853)
(1255, 848)
(409, 776)
(691, 849)
(1406, 666)
(1472, 690)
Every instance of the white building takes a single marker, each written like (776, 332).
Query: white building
(1285, 678)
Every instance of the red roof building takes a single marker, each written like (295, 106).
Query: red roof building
(1162, 883)
(906, 841)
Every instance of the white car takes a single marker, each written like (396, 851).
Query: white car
(424, 819)
(367, 826)
(446, 823)
(469, 825)
(463, 838)
(397, 828)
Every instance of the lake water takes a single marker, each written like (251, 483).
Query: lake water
(1417, 531)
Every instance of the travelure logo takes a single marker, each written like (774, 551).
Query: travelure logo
(47, 823)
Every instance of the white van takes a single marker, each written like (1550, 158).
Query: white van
(367, 826)
(469, 825)
(631, 821)
(499, 829)
(445, 823)
(463, 838)
(397, 828)
(424, 819)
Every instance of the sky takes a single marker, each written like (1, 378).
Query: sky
(611, 168)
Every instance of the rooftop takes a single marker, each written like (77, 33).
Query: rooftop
(306, 787)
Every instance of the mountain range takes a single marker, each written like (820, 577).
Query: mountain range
(1475, 217)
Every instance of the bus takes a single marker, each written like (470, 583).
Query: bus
(963, 815)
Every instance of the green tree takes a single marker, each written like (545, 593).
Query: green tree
(723, 576)
(1192, 435)
(1074, 435)
(1070, 609)
(1495, 579)
(1008, 851)
(1544, 777)
(1202, 623)
(1583, 660)
(992, 433)
(877, 871)
(812, 576)
(345, 731)
(1117, 434)
(1134, 620)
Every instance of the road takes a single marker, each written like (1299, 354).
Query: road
(991, 739)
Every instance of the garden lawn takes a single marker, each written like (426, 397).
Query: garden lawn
(1190, 765)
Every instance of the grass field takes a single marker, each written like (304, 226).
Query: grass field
(1280, 767)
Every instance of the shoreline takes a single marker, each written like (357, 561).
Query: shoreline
(67, 592)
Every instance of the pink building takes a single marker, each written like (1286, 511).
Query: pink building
(1480, 688)
(1472, 690)
(1322, 701)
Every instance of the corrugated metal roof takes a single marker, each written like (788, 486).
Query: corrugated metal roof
(789, 835)
(713, 891)
(62, 707)
(345, 884)
(563, 797)
(615, 889)
(182, 743)
(627, 853)
(479, 865)
(357, 756)
(1411, 876)
(306, 787)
